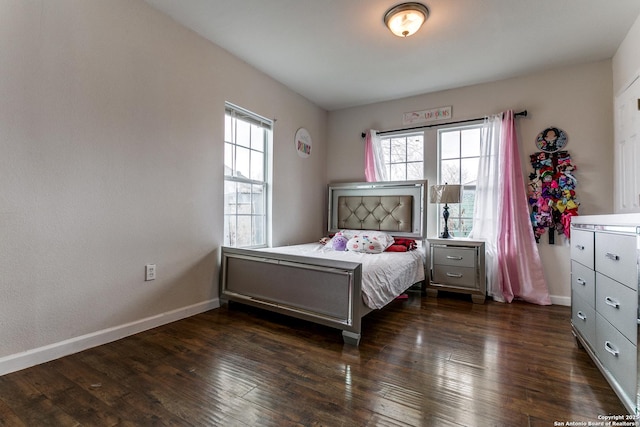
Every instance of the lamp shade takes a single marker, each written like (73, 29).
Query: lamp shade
(445, 193)
(406, 18)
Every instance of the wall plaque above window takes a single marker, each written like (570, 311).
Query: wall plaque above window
(424, 116)
(303, 143)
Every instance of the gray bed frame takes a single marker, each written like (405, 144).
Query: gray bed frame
(324, 291)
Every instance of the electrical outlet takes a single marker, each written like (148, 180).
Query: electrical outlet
(149, 272)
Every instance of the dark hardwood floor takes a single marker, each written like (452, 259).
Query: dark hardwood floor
(422, 362)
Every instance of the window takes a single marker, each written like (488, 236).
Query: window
(247, 139)
(403, 156)
(459, 155)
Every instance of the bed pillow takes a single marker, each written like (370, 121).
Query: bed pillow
(385, 239)
(400, 242)
(396, 248)
(365, 244)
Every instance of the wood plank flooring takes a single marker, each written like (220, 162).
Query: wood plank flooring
(422, 362)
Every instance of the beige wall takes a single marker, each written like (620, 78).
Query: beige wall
(576, 99)
(111, 134)
(111, 128)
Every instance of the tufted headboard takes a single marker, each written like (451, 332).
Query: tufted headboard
(397, 207)
(384, 213)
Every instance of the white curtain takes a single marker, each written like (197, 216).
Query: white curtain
(374, 167)
(501, 218)
(488, 198)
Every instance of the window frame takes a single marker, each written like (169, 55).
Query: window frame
(388, 154)
(457, 213)
(259, 214)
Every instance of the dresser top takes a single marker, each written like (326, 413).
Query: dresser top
(613, 219)
(624, 223)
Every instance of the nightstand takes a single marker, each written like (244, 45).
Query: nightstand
(457, 265)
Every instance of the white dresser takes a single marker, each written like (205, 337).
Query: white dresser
(604, 298)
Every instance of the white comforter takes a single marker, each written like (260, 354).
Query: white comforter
(384, 276)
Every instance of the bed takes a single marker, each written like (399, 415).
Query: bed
(335, 288)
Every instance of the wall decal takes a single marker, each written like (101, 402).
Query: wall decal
(303, 143)
(423, 116)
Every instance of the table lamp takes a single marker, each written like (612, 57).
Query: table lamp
(445, 194)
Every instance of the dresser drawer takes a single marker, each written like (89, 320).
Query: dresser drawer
(583, 282)
(615, 256)
(459, 257)
(452, 276)
(583, 318)
(582, 246)
(617, 354)
(618, 304)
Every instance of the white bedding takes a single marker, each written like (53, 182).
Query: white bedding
(384, 276)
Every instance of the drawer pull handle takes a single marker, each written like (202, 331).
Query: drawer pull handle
(613, 303)
(581, 281)
(580, 247)
(612, 256)
(610, 349)
(581, 315)
(457, 275)
(457, 258)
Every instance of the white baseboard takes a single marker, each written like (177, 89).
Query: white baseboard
(556, 300)
(36, 356)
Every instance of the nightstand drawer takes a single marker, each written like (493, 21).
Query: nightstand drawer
(463, 277)
(459, 257)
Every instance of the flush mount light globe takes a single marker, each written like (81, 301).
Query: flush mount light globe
(406, 18)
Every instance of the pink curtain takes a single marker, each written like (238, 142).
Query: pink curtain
(369, 158)
(374, 162)
(520, 268)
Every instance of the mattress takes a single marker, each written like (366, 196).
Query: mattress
(384, 276)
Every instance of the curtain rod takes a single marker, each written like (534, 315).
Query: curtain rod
(364, 134)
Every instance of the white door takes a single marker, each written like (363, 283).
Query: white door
(627, 149)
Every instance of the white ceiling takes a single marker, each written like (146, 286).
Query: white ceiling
(338, 53)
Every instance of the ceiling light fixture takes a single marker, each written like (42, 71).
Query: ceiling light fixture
(406, 18)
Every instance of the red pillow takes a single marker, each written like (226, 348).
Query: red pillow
(397, 248)
(410, 244)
